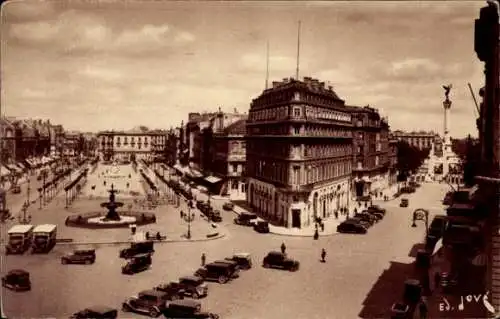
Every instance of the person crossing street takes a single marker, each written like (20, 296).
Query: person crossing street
(323, 255)
(283, 248)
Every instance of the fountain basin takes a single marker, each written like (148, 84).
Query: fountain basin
(98, 220)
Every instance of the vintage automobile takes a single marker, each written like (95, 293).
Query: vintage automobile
(145, 247)
(98, 312)
(17, 280)
(404, 202)
(79, 257)
(261, 226)
(245, 219)
(351, 226)
(137, 264)
(215, 216)
(366, 217)
(218, 271)
(187, 308)
(150, 302)
(173, 289)
(275, 259)
(377, 215)
(228, 206)
(377, 208)
(193, 286)
(244, 260)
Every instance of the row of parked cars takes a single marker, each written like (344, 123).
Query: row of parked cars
(207, 210)
(251, 220)
(360, 222)
(170, 299)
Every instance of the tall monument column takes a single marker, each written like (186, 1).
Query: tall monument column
(446, 132)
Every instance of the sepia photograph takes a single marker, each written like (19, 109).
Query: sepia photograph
(250, 159)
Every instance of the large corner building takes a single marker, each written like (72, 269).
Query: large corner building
(298, 152)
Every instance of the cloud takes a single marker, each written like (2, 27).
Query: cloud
(101, 73)
(74, 32)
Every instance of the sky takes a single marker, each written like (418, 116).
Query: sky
(96, 65)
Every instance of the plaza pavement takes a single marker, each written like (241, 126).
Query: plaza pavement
(362, 277)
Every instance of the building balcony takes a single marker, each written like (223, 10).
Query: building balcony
(297, 188)
(236, 157)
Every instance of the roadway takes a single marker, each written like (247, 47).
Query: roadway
(359, 270)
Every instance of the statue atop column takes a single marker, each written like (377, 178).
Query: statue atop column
(447, 89)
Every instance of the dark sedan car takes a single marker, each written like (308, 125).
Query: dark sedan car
(351, 227)
(96, 312)
(79, 257)
(277, 259)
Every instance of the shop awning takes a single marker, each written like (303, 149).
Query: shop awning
(179, 168)
(193, 173)
(30, 162)
(21, 166)
(212, 179)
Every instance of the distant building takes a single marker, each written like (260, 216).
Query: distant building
(372, 170)
(299, 153)
(421, 140)
(229, 159)
(128, 145)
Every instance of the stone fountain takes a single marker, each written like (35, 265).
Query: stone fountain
(112, 205)
(112, 218)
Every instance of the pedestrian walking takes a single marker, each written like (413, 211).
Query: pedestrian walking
(323, 255)
(316, 234)
(336, 214)
(322, 226)
(203, 259)
(182, 214)
(283, 248)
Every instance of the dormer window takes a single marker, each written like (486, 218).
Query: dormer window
(296, 96)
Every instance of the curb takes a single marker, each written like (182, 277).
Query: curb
(290, 235)
(167, 241)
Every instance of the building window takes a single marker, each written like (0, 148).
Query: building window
(377, 160)
(234, 185)
(296, 129)
(360, 164)
(125, 141)
(234, 168)
(296, 112)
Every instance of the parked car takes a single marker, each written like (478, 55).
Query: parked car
(193, 286)
(79, 257)
(378, 216)
(173, 289)
(220, 272)
(351, 226)
(357, 220)
(216, 217)
(137, 264)
(377, 208)
(404, 202)
(187, 308)
(96, 312)
(275, 259)
(366, 217)
(246, 219)
(17, 280)
(228, 206)
(261, 226)
(244, 260)
(145, 247)
(150, 302)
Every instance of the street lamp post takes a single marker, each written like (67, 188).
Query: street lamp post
(40, 196)
(25, 219)
(188, 236)
(421, 214)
